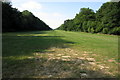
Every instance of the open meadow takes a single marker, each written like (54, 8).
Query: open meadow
(59, 54)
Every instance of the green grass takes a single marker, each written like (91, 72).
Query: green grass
(44, 54)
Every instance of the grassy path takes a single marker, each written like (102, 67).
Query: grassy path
(59, 54)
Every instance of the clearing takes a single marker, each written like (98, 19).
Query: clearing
(59, 54)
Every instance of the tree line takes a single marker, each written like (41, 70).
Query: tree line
(106, 20)
(14, 20)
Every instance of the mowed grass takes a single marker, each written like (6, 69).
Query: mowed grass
(59, 54)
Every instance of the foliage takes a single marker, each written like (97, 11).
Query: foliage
(14, 20)
(105, 30)
(115, 30)
(105, 20)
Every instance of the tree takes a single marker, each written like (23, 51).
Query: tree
(106, 20)
(14, 20)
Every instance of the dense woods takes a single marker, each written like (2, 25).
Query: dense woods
(106, 20)
(14, 20)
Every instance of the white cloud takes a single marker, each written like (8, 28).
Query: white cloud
(54, 19)
(29, 5)
(57, 14)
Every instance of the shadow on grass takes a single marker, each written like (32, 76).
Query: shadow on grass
(54, 68)
(26, 45)
(16, 46)
(42, 36)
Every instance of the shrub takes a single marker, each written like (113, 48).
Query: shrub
(92, 30)
(115, 31)
(89, 29)
(105, 30)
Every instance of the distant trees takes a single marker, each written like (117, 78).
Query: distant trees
(30, 22)
(106, 20)
(14, 20)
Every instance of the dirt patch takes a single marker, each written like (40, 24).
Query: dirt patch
(73, 60)
(60, 63)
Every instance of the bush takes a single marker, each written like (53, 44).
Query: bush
(105, 30)
(89, 29)
(115, 31)
(99, 27)
(92, 30)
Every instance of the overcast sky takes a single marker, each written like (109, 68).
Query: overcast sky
(54, 12)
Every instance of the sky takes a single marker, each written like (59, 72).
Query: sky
(55, 12)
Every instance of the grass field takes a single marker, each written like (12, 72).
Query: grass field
(59, 54)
